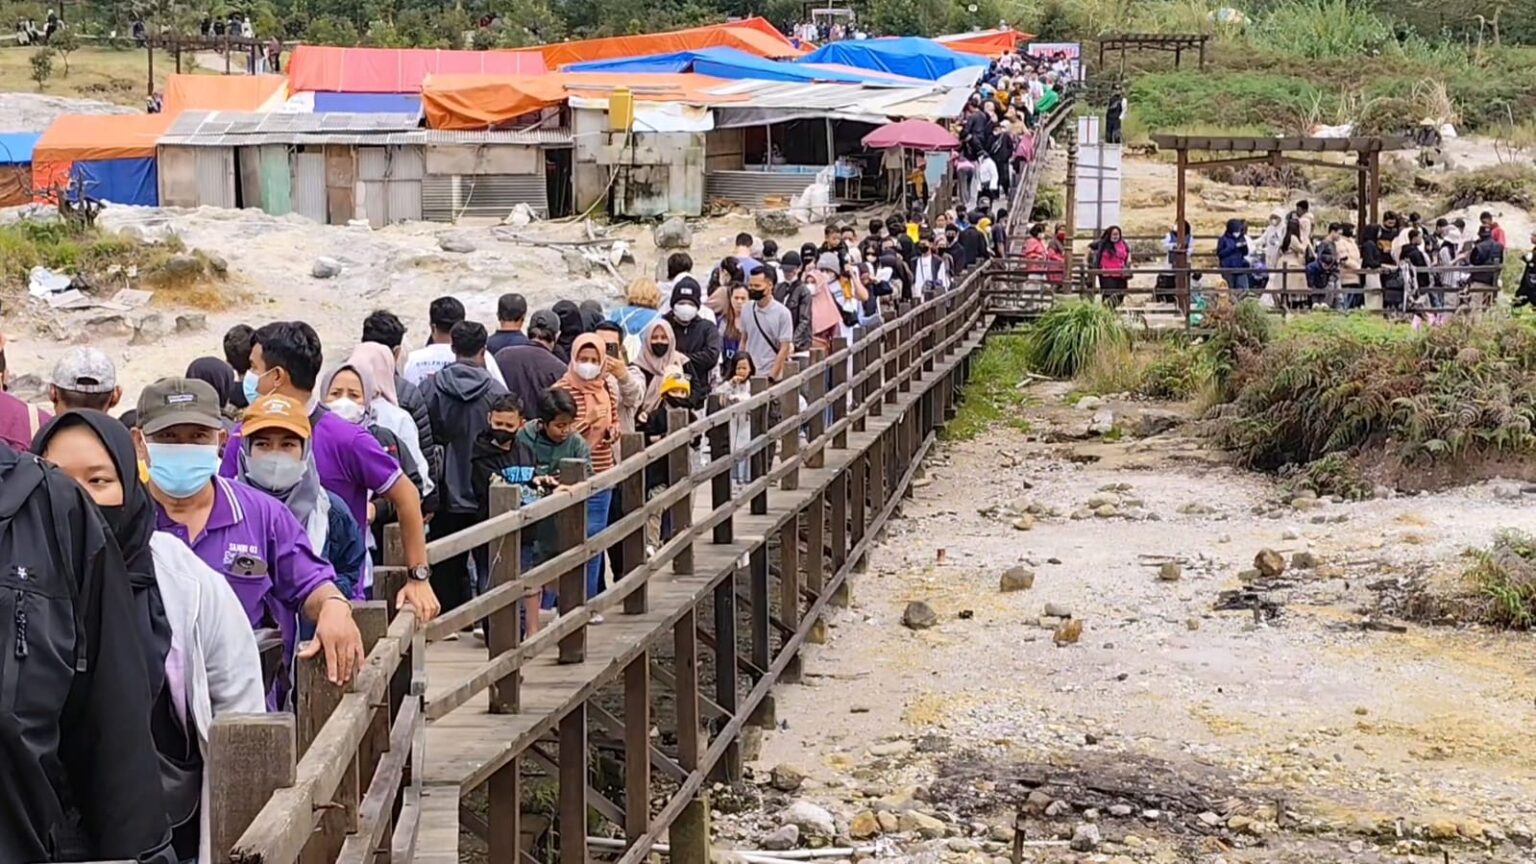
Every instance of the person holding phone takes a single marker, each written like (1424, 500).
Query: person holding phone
(597, 422)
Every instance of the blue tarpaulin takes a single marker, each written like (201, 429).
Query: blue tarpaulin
(728, 63)
(16, 147)
(121, 181)
(912, 56)
(368, 103)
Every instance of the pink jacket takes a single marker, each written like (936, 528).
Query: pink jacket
(1116, 257)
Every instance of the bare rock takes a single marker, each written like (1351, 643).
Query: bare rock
(673, 234)
(1269, 563)
(864, 825)
(149, 328)
(183, 266)
(1170, 571)
(576, 264)
(1057, 610)
(1103, 423)
(1068, 633)
(1016, 579)
(919, 616)
(1024, 523)
(785, 838)
(455, 244)
(786, 778)
(1106, 511)
(325, 268)
(813, 820)
(1086, 838)
(1303, 561)
(889, 824)
(1058, 808)
(217, 264)
(1037, 802)
(776, 223)
(192, 322)
(921, 824)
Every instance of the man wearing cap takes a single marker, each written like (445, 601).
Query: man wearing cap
(697, 340)
(84, 378)
(529, 369)
(792, 291)
(248, 536)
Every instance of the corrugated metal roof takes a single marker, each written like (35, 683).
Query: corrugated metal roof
(233, 129)
(811, 97)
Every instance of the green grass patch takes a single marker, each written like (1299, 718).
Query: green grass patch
(1071, 334)
(995, 393)
(1504, 578)
(104, 259)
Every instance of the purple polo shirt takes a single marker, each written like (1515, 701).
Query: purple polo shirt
(350, 462)
(248, 531)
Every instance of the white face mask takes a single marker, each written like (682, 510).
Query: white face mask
(588, 371)
(686, 312)
(346, 409)
(275, 472)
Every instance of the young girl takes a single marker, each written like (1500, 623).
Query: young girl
(738, 388)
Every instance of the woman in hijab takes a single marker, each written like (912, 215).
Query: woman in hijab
(197, 644)
(597, 419)
(222, 378)
(572, 324)
(658, 358)
(277, 457)
(349, 392)
(376, 363)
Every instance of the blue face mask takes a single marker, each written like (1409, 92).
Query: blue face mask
(182, 470)
(249, 384)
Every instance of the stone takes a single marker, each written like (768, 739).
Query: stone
(921, 824)
(1089, 403)
(786, 778)
(919, 616)
(1303, 561)
(1441, 829)
(1195, 508)
(1068, 633)
(776, 223)
(1106, 511)
(576, 264)
(1192, 624)
(890, 748)
(813, 820)
(149, 328)
(183, 266)
(1103, 423)
(1240, 824)
(325, 268)
(960, 845)
(1305, 504)
(1120, 811)
(1016, 579)
(1086, 838)
(1522, 836)
(1099, 500)
(1057, 610)
(217, 263)
(1269, 563)
(1081, 514)
(864, 825)
(1471, 829)
(191, 322)
(1058, 808)
(1150, 424)
(673, 234)
(782, 840)
(1037, 801)
(888, 822)
(1291, 534)
(1170, 571)
(1024, 523)
(452, 243)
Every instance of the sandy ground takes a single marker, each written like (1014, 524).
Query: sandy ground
(1365, 743)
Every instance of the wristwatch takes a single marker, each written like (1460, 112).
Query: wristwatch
(419, 574)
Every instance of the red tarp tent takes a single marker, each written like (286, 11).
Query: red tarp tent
(115, 153)
(224, 93)
(988, 43)
(752, 35)
(397, 70)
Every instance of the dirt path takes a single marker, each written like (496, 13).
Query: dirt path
(1302, 738)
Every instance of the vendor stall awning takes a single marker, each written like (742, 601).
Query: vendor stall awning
(484, 102)
(397, 70)
(987, 43)
(753, 35)
(912, 56)
(728, 63)
(16, 147)
(224, 93)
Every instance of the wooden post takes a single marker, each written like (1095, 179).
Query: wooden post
(813, 391)
(789, 588)
(763, 458)
(789, 445)
(504, 630)
(1202, 52)
(875, 348)
(858, 490)
(149, 43)
(637, 761)
(1375, 167)
(720, 485)
(815, 546)
(573, 784)
(757, 587)
(837, 497)
(505, 813)
(727, 688)
(860, 363)
(1070, 204)
(840, 404)
(1181, 249)
(689, 834)
(631, 494)
(250, 756)
(677, 475)
(571, 532)
(1361, 171)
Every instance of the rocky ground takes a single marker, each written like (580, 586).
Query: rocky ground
(33, 112)
(1144, 654)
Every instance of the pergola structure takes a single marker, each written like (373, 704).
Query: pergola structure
(1367, 151)
(1175, 42)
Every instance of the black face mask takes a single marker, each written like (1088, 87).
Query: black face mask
(114, 516)
(757, 293)
(660, 349)
(503, 437)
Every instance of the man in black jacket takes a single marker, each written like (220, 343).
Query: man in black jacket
(459, 398)
(530, 369)
(386, 329)
(792, 291)
(697, 340)
(974, 242)
(75, 732)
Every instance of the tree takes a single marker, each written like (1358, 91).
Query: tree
(62, 43)
(42, 66)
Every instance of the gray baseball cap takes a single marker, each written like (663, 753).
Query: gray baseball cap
(85, 370)
(178, 402)
(545, 319)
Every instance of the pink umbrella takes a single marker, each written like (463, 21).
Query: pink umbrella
(915, 134)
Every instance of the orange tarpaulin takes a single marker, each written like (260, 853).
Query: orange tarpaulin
(75, 138)
(988, 43)
(224, 93)
(397, 70)
(752, 35)
(471, 102)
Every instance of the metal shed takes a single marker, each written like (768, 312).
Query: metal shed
(336, 168)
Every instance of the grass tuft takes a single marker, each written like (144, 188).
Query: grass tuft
(995, 391)
(1504, 577)
(1068, 336)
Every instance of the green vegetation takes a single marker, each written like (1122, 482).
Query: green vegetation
(1515, 184)
(42, 66)
(104, 260)
(1504, 577)
(1070, 334)
(103, 74)
(995, 391)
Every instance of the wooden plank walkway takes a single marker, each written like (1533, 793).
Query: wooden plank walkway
(469, 745)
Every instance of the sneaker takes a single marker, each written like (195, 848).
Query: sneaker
(596, 619)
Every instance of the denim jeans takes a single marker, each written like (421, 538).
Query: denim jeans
(597, 520)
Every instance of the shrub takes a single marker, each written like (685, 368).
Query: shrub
(1323, 29)
(1504, 576)
(1175, 374)
(1515, 184)
(1067, 337)
(1239, 332)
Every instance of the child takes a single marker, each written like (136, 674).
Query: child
(500, 454)
(549, 440)
(676, 392)
(738, 388)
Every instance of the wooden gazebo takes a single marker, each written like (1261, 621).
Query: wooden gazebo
(1175, 43)
(1367, 151)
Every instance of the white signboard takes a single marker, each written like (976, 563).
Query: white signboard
(1098, 179)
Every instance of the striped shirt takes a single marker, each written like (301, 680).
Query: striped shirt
(602, 450)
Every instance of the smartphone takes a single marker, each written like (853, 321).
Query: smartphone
(613, 349)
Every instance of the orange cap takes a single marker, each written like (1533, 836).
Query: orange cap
(276, 412)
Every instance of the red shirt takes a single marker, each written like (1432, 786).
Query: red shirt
(20, 421)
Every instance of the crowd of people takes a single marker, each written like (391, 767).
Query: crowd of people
(996, 129)
(153, 548)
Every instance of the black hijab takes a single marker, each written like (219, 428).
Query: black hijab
(572, 324)
(132, 524)
(219, 375)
